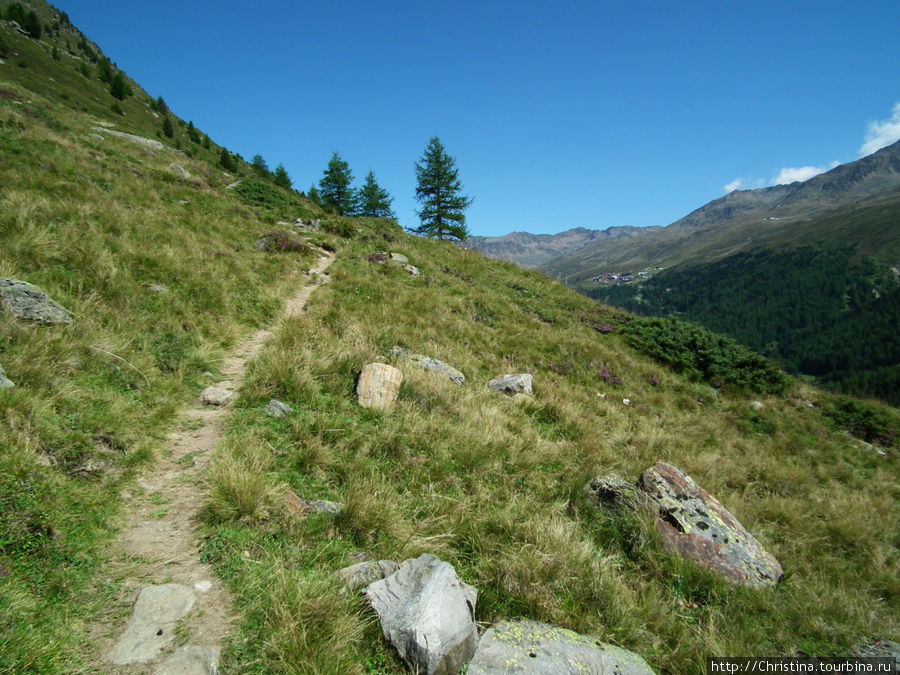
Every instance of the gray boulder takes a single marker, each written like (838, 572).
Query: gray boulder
(694, 524)
(278, 409)
(412, 269)
(216, 397)
(179, 170)
(428, 614)
(303, 507)
(428, 363)
(512, 384)
(29, 302)
(5, 382)
(378, 386)
(542, 649)
(399, 258)
(879, 649)
(364, 573)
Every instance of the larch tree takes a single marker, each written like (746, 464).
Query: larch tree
(374, 201)
(335, 186)
(440, 193)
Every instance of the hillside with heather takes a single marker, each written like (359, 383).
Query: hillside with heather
(217, 398)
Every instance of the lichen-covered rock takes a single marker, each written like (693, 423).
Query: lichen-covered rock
(5, 382)
(612, 493)
(541, 649)
(428, 614)
(412, 270)
(399, 258)
(278, 409)
(304, 507)
(428, 363)
(26, 301)
(879, 649)
(694, 524)
(364, 573)
(512, 384)
(378, 386)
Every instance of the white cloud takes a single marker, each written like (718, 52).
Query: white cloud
(880, 134)
(736, 184)
(801, 173)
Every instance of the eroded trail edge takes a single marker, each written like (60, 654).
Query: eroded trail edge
(178, 612)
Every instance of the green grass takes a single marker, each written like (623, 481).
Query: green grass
(494, 486)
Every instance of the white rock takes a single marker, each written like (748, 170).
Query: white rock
(152, 623)
(378, 386)
(216, 396)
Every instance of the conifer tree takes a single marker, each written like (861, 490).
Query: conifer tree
(161, 106)
(313, 195)
(374, 200)
(119, 87)
(282, 179)
(259, 165)
(334, 187)
(438, 190)
(167, 127)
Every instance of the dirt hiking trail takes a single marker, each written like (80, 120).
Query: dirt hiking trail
(179, 612)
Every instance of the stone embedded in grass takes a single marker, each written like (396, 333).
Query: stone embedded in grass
(378, 386)
(215, 396)
(152, 623)
(428, 614)
(364, 573)
(304, 507)
(179, 170)
(512, 384)
(5, 382)
(399, 258)
(428, 363)
(278, 409)
(26, 301)
(526, 646)
(412, 269)
(694, 524)
(140, 140)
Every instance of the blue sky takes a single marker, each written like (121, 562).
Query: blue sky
(559, 115)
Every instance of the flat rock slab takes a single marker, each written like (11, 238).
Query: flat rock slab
(304, 507)
(428, 363)
(29, 302)
(364, 573)
(140, 140)
(191, 661)
(694, 524)
(512, 384)
(216, 396)
(428, 614)
(152, 624)
(542, 649)
(378, 386)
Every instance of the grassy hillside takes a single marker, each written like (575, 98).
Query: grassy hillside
(163, 276)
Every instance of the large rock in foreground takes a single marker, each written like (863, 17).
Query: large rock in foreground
(378, 386)
(29, 302)
(428, 614)
(694, 524)
(428, 363)
(541, 649)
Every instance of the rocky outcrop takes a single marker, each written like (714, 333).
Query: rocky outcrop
(140, 140)
(512, 384)
(362, 574)
(179, 170)
(427, 614)
(378, 386)
(541, 649)
(26, 301)
(152, 624)
(694, 524)
(428, 363)
(612, 493)
(191, 661)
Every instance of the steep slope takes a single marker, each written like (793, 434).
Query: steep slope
(165, 274)
(533, 250)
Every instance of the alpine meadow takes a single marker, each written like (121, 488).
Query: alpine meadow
(239, 423)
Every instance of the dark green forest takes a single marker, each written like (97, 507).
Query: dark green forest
(817, 312)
